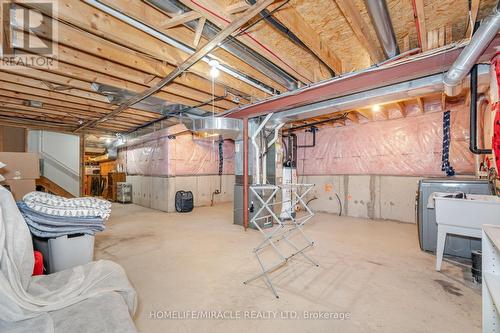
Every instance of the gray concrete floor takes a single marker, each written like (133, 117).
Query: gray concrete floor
(372, 270)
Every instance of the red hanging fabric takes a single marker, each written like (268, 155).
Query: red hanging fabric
(495, 93)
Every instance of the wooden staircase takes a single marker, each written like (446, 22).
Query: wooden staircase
(46, 185)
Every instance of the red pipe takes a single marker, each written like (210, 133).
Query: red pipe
(303, 78)
(245, 173)
(417, 25)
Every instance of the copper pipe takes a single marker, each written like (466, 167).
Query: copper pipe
(245, 173)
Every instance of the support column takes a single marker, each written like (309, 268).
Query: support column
(245, 173)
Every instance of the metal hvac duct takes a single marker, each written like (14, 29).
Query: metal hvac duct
(479, 42)
(152, 104)
(232, 46)
(399, 91)
(228, 128)
(379, 15)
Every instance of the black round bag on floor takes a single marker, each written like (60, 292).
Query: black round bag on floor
(184, 201)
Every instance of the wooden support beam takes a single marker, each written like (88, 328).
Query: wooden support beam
(189, 62)
(46, 115)
(237, 7)
(360, 29)
(81, 78)
(25, 87)
(32, 123)
(401, 108)
(443, 102)
(421, 105)
(180, 19)
(420, 18)
(112, 35)
(62, 114)
(368, 114)
(432, 39)
(4, 76)
(294, 21)
(472, 17)
(13, 99)
(199, 31)
(150, 15)
(281, 58)
(406, 43)
(442, 36)
(41, 125)
(353, 116)
(448, 34)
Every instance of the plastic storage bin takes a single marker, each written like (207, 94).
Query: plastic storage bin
(65, 252)
(123, 192)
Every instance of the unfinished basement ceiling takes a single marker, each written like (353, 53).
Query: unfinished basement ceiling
(131, 45)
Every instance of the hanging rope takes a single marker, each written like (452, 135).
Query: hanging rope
(445, 166)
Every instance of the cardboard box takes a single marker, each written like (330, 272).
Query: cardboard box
(19, 188)
(20, 166)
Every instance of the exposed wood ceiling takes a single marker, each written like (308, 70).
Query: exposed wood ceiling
(391, 110)
(95, 47)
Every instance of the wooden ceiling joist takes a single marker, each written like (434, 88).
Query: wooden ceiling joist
(66, 74)
(280, 57)
(360, 29)
(8, 101)
(37, 83)
(237, 7)
(367, 114)
(25, 87)
(153, 17)
(199, 31)
(180, 19)
(70, 115)
(421, 105)
(48, 117)
(353, 116)
(401, 108)
(191, 61)
(105, 27)
(292, 19)
(420, 22)
(41, 125)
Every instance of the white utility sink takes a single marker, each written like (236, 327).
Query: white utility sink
(464, 217)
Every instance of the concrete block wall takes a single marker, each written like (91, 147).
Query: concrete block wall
(159, 192)
(365, 196)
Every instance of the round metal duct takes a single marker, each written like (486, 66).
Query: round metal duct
(228, 128)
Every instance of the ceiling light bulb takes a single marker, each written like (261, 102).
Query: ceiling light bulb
(213, 63)
(214, 70)
(376, 108)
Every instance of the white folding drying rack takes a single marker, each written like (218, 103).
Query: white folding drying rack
(283, 229)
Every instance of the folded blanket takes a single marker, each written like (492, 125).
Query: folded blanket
(58, 220)
(48, 226)
(48, 232)
(76, 207)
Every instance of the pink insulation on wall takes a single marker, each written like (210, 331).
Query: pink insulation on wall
(405, 146)
(175, 152)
